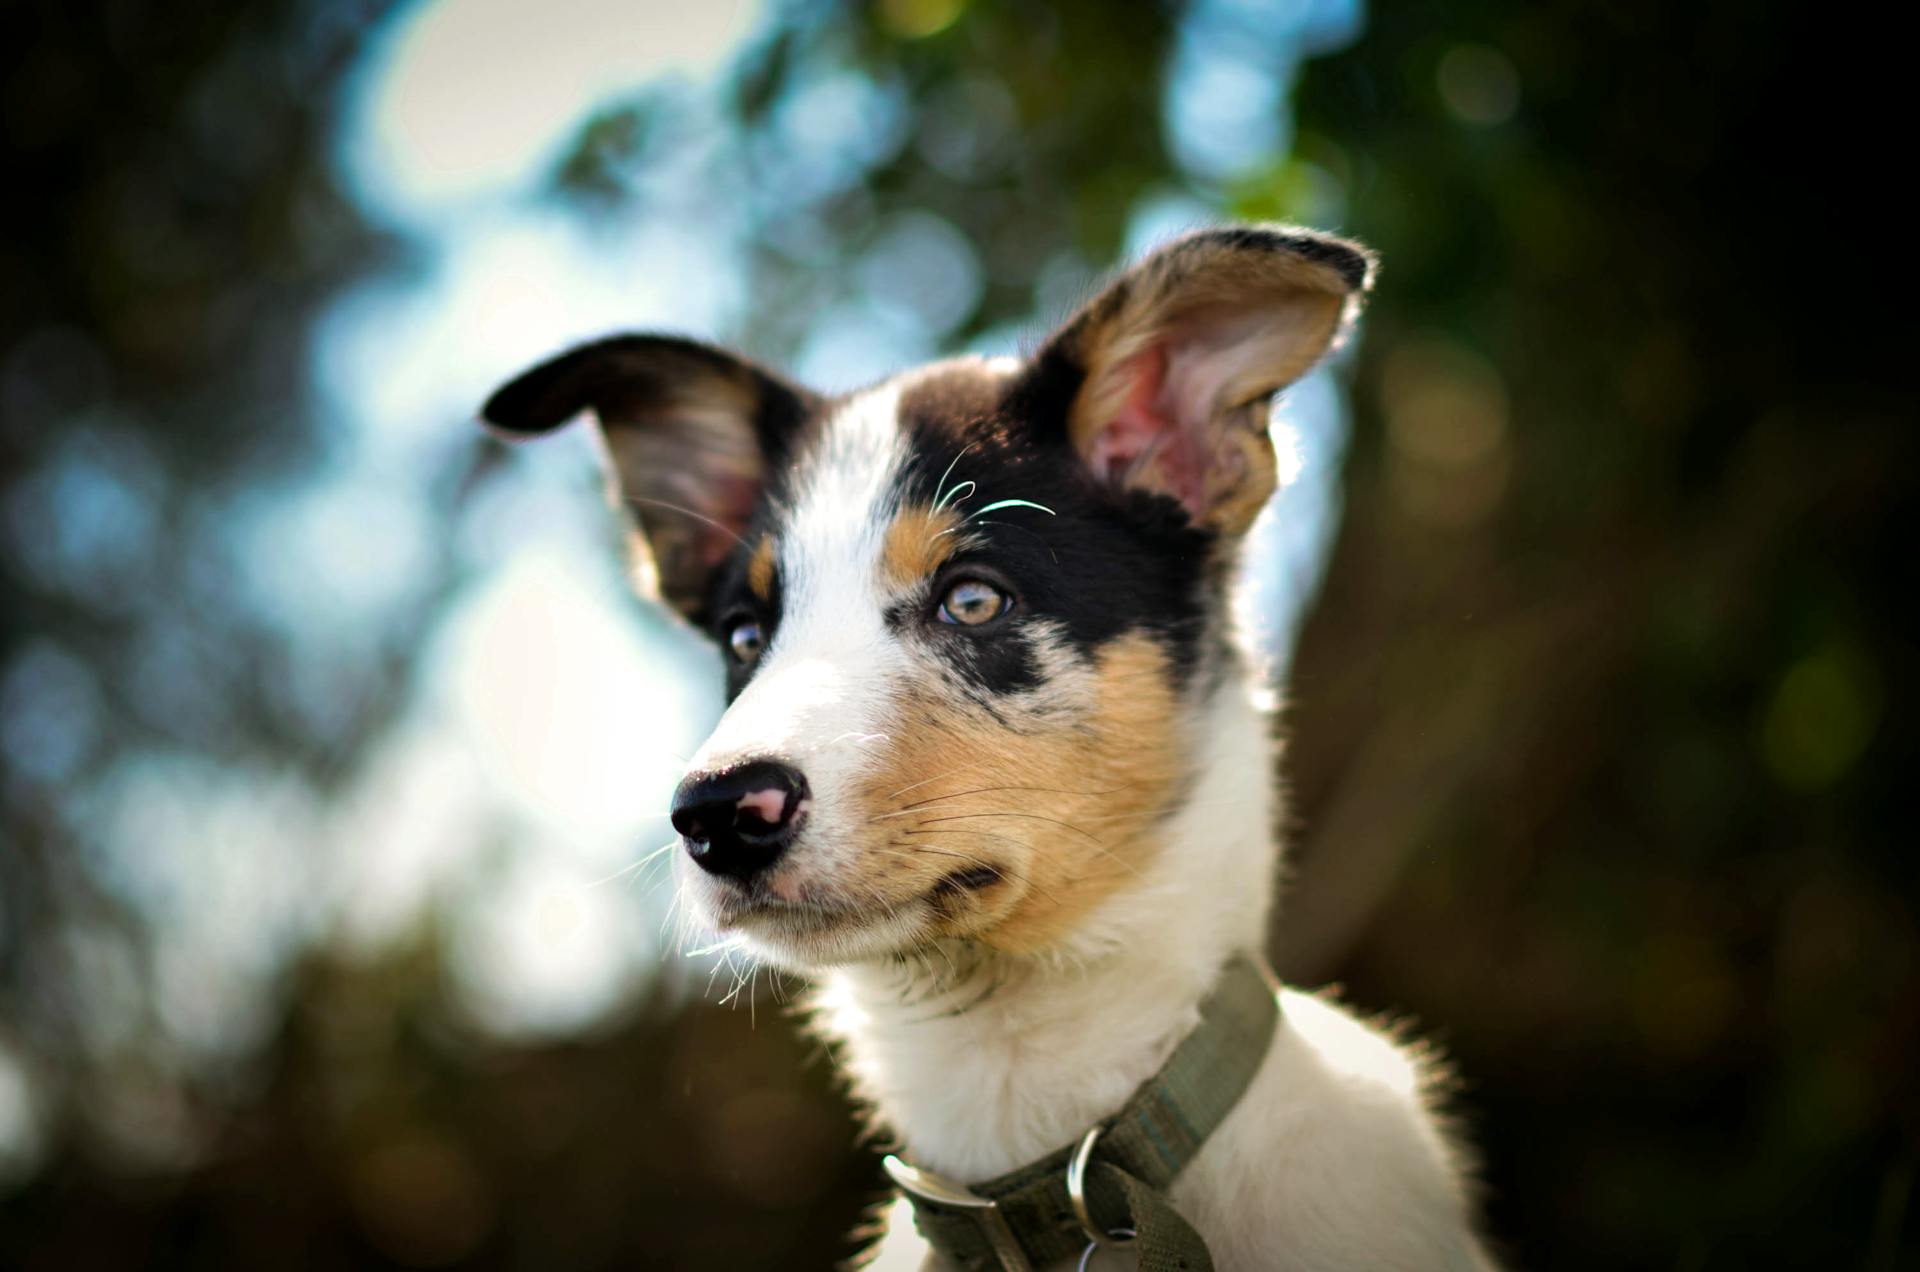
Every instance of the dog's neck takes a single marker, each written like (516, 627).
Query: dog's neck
(980, 1062)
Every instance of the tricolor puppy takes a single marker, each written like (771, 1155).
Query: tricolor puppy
(996, 773)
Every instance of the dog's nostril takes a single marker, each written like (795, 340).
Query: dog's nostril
(699, 819)
(738, 821)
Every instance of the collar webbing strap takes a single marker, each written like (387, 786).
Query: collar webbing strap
(1136, 1156)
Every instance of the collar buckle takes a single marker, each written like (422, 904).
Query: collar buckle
(931, 1186)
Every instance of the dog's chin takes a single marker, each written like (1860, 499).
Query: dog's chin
(812, 935)
(809, 937)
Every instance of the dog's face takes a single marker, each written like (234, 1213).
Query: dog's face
(965, 614)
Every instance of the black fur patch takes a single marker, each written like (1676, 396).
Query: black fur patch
(1001, 658)
(1102, 563)
(631, 375)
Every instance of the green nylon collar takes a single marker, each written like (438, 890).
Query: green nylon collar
(1025, 1219)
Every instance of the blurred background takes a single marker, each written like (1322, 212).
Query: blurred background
(333, 749)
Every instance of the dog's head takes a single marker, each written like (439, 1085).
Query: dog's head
(965, 614)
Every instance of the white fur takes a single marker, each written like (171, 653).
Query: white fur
(825, 680)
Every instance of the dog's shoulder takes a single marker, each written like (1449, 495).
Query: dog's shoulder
(1337, 1153)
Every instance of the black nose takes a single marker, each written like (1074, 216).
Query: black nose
(738, 822)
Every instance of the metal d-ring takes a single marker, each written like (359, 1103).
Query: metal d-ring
(1077, 1197)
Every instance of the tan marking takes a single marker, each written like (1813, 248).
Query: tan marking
(760, 569)
(919, 540)
(1062, 799)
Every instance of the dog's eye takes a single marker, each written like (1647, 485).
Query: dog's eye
(969, 603)
(744, 639)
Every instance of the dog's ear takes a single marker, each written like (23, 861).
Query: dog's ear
(1168, 372)
(692, 432)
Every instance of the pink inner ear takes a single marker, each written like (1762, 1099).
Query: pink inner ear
(1146, 431)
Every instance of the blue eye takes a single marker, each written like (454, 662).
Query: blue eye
(744, 641)
(971, 603)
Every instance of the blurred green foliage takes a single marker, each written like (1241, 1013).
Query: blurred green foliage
(1615, 615)
(1601, 726)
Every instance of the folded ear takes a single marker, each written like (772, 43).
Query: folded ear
(692, 432)
(1178, 359)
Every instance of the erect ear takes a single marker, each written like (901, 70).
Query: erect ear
(692, 432)
(1180, 356)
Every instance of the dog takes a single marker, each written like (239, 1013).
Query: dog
(994, 768)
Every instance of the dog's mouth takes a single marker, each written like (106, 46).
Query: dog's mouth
(963, 883)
